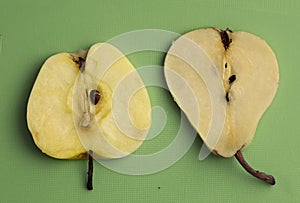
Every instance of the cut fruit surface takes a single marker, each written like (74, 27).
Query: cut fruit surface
(233, 72)
(76, 105)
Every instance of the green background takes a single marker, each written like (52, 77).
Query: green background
(31, 31)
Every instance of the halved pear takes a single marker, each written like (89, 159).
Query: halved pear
(73, 104)
(233, 76)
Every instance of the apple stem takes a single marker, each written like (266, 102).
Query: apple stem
(260, 175)
(90, 171)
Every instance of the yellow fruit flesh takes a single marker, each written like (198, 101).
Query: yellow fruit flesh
(49, 117)
(50, 109)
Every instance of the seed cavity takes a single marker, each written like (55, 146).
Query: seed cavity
(232, 79)
(95, 96)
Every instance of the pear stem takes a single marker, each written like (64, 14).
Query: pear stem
(89, 184)
(260, 175)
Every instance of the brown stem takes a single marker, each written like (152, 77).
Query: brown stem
(260, 175)
(89, 184)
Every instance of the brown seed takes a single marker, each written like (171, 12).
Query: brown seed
(95, 96)
(231, 79)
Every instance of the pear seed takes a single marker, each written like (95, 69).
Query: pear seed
(232, 79)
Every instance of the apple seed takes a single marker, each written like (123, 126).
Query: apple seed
(95, 96)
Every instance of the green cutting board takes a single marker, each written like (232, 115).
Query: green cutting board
(31, 31)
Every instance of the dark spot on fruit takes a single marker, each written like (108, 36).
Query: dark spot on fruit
(158, 187)
(225, 65)
(227, 96)
(225, 38)
(95, 96)
(232, 79)
(81, 64)
(80, 61)
(83, 155)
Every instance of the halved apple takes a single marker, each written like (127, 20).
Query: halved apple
(233, 76)
(75, 105)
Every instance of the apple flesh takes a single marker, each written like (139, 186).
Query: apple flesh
(245, 68)
(56, 111)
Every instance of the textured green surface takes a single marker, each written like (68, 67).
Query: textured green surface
(31, 31)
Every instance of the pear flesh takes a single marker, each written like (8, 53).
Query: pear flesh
(233, 76)
(71, 105)
(249, 73)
